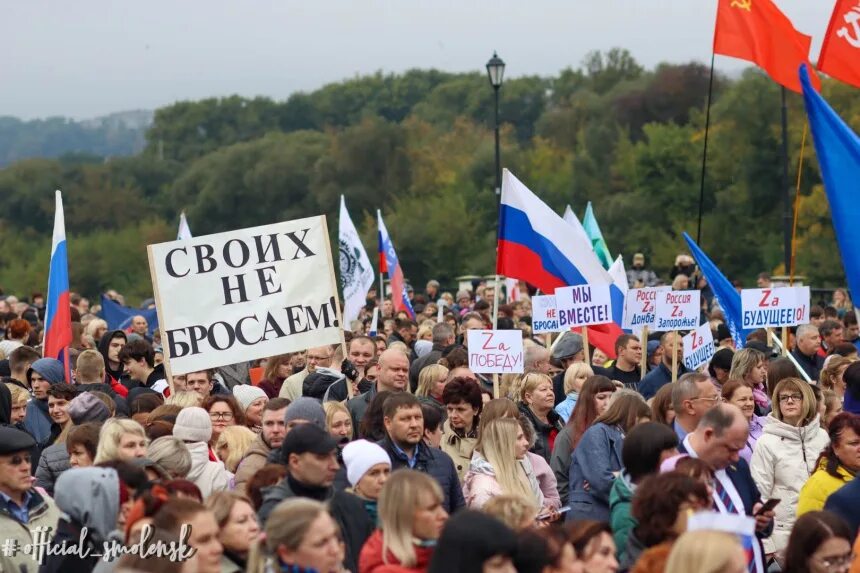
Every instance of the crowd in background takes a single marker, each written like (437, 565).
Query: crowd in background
(390, 454)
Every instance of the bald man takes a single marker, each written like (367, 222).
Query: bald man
(393, 376)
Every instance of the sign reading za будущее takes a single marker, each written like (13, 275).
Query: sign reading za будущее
(698, 346)
(237, 296)
(495, 351)
(774, 307)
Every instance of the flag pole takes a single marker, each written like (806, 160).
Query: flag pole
(705, 150)
(797, 204)
(786, 196)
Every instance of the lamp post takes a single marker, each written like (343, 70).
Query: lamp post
(496, 72)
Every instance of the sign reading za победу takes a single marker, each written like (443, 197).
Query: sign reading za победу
(237, 296)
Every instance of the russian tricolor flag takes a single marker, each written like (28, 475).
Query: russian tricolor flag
(388, 263)
(58, 316)
(539, 247)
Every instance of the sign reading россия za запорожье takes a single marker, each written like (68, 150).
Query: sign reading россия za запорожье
(678, 310)
(240, 295)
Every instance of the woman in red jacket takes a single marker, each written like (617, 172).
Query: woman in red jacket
(411, 517)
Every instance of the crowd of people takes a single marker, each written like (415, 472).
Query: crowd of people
(389, 455)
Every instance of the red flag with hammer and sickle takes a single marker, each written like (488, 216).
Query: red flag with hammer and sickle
(840, 53)
(756, 31)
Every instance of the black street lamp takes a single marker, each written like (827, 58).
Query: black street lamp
(496, 72)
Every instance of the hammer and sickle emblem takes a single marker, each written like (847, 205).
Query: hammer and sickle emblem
(852, 18)
(742, 4)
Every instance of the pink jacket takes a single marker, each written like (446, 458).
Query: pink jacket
(480, 485)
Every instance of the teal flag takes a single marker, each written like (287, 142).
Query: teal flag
(592, 229)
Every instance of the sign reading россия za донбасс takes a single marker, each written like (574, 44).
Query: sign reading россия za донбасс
(237, 296)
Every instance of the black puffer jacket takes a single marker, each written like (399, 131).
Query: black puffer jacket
(545, 433)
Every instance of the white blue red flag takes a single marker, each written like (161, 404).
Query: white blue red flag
(389, 263)
(58, 316)
(538, 246)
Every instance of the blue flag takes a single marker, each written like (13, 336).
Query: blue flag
(119, 317)
(724, 291)
(838, 151)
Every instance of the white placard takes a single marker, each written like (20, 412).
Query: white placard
(640, 307)
(544, 315)
(495, 351)
(698, 346)
(583, 305)
(678, 310)
(241, 295)
(769, 307)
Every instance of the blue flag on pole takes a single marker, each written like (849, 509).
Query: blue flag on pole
(724, 291)
(119, 317)
(838, 151)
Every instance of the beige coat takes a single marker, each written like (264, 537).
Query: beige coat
(255, 458)
(460, 449)
(43, 513)
(292, 386)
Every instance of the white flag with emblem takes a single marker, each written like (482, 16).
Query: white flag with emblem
(356, 274)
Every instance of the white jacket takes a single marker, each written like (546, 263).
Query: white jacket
(782, 460)
(209, 476)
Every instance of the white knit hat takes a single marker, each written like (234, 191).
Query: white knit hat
(245, 394)
(193, 425)
(359, 456)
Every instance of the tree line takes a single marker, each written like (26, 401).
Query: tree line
(419, 145)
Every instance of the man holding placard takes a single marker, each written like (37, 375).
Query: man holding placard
(661, 375)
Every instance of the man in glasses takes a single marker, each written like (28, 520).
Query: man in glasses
(22, 508)
(692, 396)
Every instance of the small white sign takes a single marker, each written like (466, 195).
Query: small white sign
(770, 307)
(495, 351)
(698, 346)
(583, 305)
(640, 307)
(544, 315)
(678, 310)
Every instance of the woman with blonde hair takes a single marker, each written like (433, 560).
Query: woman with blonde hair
(96, 329)
(431, 383)
(184, 399)
(832, 374)
(20, 397)
(785, 455)
(171, 454)
(574, 377)
(238, 528)
(707, 552)
(232, 445)
(841, 302)
(300, 535)
(411, 518)
(338, 422)
(536, 402)
(496, 466)
(750, 365)
(120, 439)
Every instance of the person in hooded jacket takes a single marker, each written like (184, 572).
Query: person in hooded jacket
(43, 373)
(90, 376)
(89, 498)
(110, 346)
(194, 427)
(786, 453)
(85, 407)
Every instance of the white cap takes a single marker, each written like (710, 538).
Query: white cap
(359, 456)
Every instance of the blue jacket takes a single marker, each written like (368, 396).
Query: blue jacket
(596, 460)
(37, 422)
(844, 503)
(657, 378)
(435, 463)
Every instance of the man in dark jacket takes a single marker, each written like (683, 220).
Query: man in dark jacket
(43, 374)
(138, 358)
(393, 376)
(443, 336)
(310, 454)
(405, 331)
(90, 377)
(110, 345)
(721, 435)
(662, 374)
(404, 424)
(808, 342)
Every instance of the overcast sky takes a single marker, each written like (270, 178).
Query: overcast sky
(92, 57)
